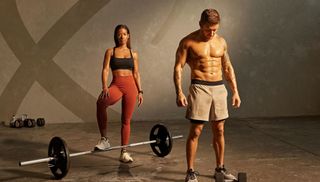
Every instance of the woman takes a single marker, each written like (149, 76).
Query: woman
(125, 85)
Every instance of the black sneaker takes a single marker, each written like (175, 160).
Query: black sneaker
(191, 176)
(226, 174)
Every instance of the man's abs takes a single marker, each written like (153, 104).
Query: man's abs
(206, 69)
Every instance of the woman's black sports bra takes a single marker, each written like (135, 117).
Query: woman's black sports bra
(121, 63)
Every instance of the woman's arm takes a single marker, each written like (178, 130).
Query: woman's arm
(136, 76)
(105, 71)
(136, 73)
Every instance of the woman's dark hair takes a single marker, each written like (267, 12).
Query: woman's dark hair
(118, 27)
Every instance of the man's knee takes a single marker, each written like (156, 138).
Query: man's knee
(195, 131)
(219, 132)
(218, 128)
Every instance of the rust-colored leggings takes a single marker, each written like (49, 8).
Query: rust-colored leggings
(121, 87)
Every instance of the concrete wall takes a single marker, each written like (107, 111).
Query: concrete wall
(52, 52)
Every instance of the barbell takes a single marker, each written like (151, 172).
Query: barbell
(59, 157)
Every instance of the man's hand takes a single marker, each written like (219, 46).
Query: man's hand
(236, 100)
(181, 100)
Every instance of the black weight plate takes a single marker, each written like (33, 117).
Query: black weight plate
(31, 123)
(21, 123)
(25, 122)
(161, 134)
(219, 177)
(242, 177)
(18, 123)
(58, 149)
(28, 123)
(40, 122)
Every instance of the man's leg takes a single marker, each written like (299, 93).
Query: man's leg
(219, 146)
(192, 142)
(218, 141)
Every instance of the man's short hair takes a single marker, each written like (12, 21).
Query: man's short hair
(210, 16)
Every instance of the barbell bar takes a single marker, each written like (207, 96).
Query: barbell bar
(59, 156)
(47, 159)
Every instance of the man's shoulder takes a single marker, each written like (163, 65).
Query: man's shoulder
(192, 36)
(221, 39)
(189, 38)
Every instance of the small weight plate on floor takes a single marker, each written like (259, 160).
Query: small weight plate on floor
(33, 122)
(163, 137)
(29, 123)
(41, 122)
(242, 177)
(58, 149)
(18, 123)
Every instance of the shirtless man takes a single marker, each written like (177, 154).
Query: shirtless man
(206, 54)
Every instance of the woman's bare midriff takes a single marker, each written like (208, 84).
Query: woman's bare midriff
(122, 72)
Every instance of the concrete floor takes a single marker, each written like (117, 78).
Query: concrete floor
(269, 150)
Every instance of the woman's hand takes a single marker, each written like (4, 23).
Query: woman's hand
(140, 99)
(104, 93)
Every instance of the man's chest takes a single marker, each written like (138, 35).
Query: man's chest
(205, 50)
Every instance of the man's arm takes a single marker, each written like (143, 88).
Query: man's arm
(181, 59)
(230, 76)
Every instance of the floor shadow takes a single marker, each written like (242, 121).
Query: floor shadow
(22, 173)
(124, 170)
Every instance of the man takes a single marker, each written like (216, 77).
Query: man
(206, 54)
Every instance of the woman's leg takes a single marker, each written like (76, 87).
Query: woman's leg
(128, 105)
(102, 103)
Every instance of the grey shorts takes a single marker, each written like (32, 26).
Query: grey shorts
(207, 101)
